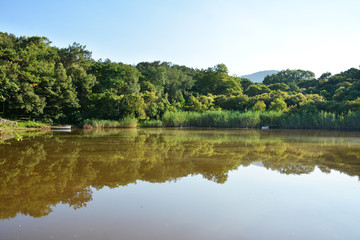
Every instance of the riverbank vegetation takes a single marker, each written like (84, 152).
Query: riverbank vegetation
(21, 125)
(41, 82)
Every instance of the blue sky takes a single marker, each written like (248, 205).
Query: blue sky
(247, 36)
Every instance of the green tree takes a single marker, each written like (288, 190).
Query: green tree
(245, 83)
(201, 103)
(279, 86)
(178, 83)
(278, 105)
(75, 54)
(259, 106)
(237, 102)
(253, 90)
(153, 77)
(217, 81)
(288, 76)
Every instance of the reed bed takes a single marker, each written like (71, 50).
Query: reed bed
(123, 123)
(151, 124)
(322, 120)
(225, 119)
(255, 119)
(237, 119)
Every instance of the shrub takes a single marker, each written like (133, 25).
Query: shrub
(152, 123)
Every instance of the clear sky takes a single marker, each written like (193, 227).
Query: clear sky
(246, 35)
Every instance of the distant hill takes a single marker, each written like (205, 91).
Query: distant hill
(258, 77)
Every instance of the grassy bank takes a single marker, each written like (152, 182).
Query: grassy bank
(24, 125)
(21, 129)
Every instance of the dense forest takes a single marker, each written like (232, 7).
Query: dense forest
(65, 85)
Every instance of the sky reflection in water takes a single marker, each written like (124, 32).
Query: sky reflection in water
(181, 184)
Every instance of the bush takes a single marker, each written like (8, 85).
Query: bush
(128, 122)
(152, 123)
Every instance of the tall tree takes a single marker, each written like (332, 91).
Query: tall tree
(288, 76)
(217, 81)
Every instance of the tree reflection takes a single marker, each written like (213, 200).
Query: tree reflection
(36, 174)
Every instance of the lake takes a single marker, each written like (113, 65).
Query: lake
(181, 184)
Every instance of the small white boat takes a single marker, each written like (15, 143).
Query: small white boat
(60, 127)
(265, 127)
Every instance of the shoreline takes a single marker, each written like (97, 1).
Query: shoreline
(46, 129)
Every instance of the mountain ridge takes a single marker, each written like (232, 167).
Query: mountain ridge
(258, 77)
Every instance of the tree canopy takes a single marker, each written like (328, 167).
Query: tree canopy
(38, 80)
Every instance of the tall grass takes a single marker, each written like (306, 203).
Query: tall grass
(254, 119)
(127, 122)
(227, 119)
(322, 120)
(237, 119)
(151, 123)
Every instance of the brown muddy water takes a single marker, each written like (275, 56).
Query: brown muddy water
(181, 184)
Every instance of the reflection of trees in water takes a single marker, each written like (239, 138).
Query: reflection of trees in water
(31, 181)
(38, 174)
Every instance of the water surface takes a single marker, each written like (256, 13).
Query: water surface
(181, 184)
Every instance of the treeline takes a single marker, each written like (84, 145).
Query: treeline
(66, 85)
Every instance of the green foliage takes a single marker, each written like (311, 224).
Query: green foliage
(127, 122)
(238, 102)
(279, 86)
(288, 76)
(231, 119)
(322, 120)
(151, 123)
(259, 106)
(174, 119)
(278, 105)
(133, 105)
(256, 89)
(253, 90)
(65, 85)
(95, 123)
(217, 81)
(272, 117)
(201, 103)
(117, 77)
(17, 136)
(31, 124)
